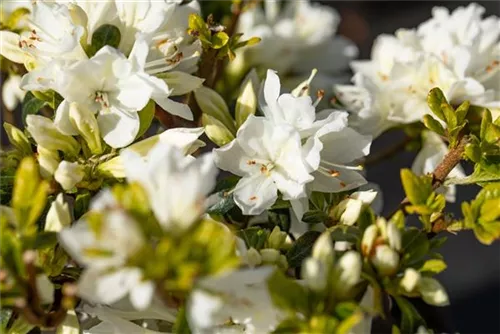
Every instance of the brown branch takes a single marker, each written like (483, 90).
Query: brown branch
(450, 161)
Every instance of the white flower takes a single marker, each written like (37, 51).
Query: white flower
(298, 38)
(53, 34)
(105, 246)
(457, 52)
(241, 296)
(339, 147)
(176, 185)
(116, 88)
(172, 47)
(269, 158)
(141, 16)
(186, 139)
(299, 112)
(431, 154)
(68, 174)
(12, 94)
(58, 216)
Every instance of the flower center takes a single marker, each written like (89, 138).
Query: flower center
(102, 98)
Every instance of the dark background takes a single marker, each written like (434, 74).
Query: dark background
(472, 278)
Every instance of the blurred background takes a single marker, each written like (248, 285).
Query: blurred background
(473, 274)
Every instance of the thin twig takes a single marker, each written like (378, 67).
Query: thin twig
(450, 161)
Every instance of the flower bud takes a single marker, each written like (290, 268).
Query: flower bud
(349, 267)
(45, 289)
(283, 262)
(68, 174)
(212, 104)
(433, 292)
(18, 139)
(48, 161)
(58, 216)
(46, 134)
(270, 255)
(350, 210)
(246, 103)
(314, 274)
(253, 257)
(84, 121)
(368, 240)
(410, 280)
(394, 236)
(323, 249)
(276, 238)
(216, 130)
(386, 260)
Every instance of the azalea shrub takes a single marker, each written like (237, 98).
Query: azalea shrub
(187, 168)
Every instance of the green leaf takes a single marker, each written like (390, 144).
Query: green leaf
(473, 152)
(280, 217)
(410, 318)
(81, 205)
(31, 105)
(301, 248)
(146, 116)
(433, 125)
(181, 325)
(485, 122)
(415, 245)
(314, 217)
(198, 28)
(449, 114)
(106, 34)
(417, 188)
(479, 176)
(287, 294)
(434, 266)
(437, 242)
(254, 236)
(462, 111)
(219, 40)
(435, 99)
(225, 202)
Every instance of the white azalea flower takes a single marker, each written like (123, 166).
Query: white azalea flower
(12, 94)
(176, 185)
(172, 47)
(299, 112)
(53, 34)
(116, 88)
(141, 16)
(297, 38)
(186, 139)
(457, 52)
(241, 296)
(269, 158)
(104, 249)
(431, 154)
